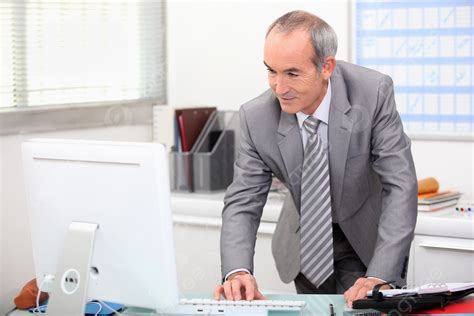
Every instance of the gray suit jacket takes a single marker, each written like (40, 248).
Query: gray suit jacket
(372, 176)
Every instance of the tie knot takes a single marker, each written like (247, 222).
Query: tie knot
(311, 125)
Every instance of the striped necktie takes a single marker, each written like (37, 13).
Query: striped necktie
(316, 247)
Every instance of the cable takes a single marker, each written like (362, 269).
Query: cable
(110, 308)
(151, 313)
(38, 309)
(47, 278)
(100, 307)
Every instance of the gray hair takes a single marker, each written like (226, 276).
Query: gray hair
(323, 37)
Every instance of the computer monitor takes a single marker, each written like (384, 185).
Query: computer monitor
(119, 193)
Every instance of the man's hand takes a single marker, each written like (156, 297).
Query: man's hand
(360, 288)
(239, 285)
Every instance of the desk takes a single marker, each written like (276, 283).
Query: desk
(443, 247)
(316, 304)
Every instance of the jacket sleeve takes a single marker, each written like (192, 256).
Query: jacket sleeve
(243, 204)
(393, 162)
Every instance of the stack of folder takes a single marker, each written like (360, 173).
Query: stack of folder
(437, 200)
(203, 144)
(428, 299)
(431, 199)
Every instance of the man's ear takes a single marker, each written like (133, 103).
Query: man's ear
(328, 67)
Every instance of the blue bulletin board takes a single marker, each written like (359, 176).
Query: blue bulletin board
(427, 48)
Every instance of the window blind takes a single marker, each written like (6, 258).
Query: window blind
(78, 51)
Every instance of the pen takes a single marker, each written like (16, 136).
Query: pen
(331, 310)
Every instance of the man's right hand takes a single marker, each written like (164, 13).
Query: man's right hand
(239, 285)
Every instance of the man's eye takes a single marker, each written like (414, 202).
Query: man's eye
(292, 74)
(270, 71)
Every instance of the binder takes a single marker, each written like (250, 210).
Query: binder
(191, 122)
(412, 301)
(208, 166)
(215, 153)
(181, 171)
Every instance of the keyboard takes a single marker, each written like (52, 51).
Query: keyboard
(198, 306)
(255, 303)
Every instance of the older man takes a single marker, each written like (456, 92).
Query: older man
(330, 131)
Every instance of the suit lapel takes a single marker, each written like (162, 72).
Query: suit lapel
(291, 149)
(339, 135)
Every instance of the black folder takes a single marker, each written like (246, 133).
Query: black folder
(400, 305)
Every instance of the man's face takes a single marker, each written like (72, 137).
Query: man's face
(292, 75)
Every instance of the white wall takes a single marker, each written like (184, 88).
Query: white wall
(16, 258)
(450, 162)
(215, 48)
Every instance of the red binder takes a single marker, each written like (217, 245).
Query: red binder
(463, 307)
(191, 122)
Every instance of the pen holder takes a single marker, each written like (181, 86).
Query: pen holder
(215, 152)
(181, 171)
(209, 165)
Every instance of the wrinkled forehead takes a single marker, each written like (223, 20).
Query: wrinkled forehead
(295, 43)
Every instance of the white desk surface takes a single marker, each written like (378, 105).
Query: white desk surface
(447, 223)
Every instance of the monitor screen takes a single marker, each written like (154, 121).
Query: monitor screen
(124, 189)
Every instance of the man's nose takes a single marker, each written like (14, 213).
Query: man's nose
(280, 86)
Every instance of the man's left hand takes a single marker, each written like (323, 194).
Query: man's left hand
(360, 288)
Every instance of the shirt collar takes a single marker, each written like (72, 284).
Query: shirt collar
(322, 112)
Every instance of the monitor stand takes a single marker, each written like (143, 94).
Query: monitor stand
(69, 289)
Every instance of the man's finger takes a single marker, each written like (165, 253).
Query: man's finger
(359, 294)
(362, 293)
(346, 295)
(228, 291)
(360, 282)
(259, 296)
(235, 284)
(350, 294)
(218, 292)
(249, 292)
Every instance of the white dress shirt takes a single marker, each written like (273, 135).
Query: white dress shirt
(322, 114)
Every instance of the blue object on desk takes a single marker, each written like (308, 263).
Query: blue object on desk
(91, 308)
